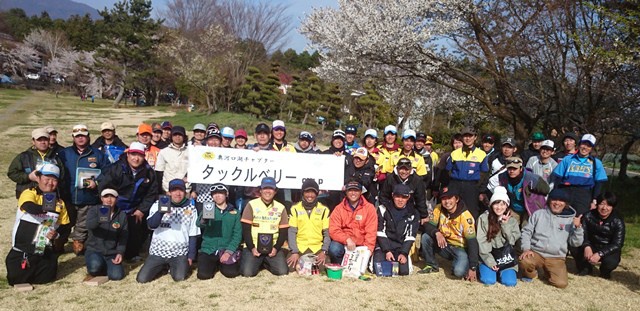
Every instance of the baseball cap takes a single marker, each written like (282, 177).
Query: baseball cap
(404, 162)
(571, 135)
(305, 135)
(50, 129)
(50, 170)
(537, 136)
(178, 130)
(166, 125)
(371, 132)
(402, 189)
(361, 153)
(278, 125)
(268, 182)
(241, 133)
(547, 143)
(351, 130)
(558, 194)
(451, 191)
(144, 128)
(177, 184)
(227, 132)
(262, 128)
(137, 147)
(353, 184)
(509, 141)
(338, 134)
(409, 134)
(107, 126)
(199, 127)
(588, 138)
(79, 129)
(390, 129)
(515, 162)
(310, 184)
(429, 140)
(109, 191)
(39, 133)
(421, 137)
(468, 130)
(489, 138)
(213, 130)
(156, 127)
(218, 187)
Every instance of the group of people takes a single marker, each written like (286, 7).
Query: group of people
(492, 212)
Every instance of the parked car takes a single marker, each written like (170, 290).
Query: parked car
(4, 79)
(33, 76)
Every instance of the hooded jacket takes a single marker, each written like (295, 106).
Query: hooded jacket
(135, 191)
(399, 232)
(550, 235)
(415, 182)
(310, 149)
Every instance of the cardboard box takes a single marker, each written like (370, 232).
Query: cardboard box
(98, 280)
(23, 287)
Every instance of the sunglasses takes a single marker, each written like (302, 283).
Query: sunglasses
(217, 188)
(405, 196)
(514, 161)
(80, 130)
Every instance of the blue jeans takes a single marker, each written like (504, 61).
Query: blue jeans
(508, 277)
(336, 252)
(153, 265)
(98, 263)
(459, 255)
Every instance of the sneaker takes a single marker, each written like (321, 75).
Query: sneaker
(584, 272)
(428, 269)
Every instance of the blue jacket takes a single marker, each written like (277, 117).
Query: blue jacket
(90, 158)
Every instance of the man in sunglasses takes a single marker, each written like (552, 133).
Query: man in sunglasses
(526, 190)
(398, 225)
(83, 164)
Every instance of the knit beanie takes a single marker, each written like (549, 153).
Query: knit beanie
(499, 194)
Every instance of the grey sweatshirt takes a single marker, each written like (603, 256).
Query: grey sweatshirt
(549, 234)
(509, 233)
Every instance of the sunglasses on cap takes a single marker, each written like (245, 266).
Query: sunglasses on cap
(218, 188)
(401, 195)
(514, 161)
(84, 129)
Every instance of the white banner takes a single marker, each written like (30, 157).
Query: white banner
(242, 167)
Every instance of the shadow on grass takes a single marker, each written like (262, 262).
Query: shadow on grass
(627, 278)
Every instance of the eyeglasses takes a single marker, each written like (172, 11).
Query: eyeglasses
(216, 188)
(80, 130)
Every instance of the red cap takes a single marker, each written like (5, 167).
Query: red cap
(241, 133)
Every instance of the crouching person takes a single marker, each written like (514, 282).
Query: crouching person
(545, 239)
(40, 212)
(451, 232)
(221, 236)
(173, 243)
(264, 231)
(107, 241)
(397, 228)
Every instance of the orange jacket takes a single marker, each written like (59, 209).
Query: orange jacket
(360, 225)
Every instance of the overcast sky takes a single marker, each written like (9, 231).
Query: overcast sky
(297, 10)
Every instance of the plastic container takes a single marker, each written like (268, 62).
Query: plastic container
(334, 272)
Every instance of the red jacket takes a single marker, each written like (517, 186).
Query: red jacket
(360, 225)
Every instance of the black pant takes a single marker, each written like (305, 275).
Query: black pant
(580, 199)
(469, 194)
(608, 263)
(42, 269)
(209, 264)
(138, 233)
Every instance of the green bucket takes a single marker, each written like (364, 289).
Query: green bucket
(334, 272)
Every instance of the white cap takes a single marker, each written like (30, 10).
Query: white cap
(409, 134)
(278, 124)
(500, 194)
(137, 147)
(588, 138)
(390, 128)
(109, 191)
(50, 170)
(79, 129)
(547, 143)
(39, 133)
(228, 132)
(371, 132)
(199, 127)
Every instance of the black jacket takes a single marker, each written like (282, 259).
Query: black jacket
(107, 238)
(26, 162)
(134, 193)
(415, 182)
(365, 175)
(397, 234)
(604, 235)
(530, 152)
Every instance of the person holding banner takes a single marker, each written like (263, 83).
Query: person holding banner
(264, 231)
(213, 137)
(263, 138)
(353, 223)
(305, 143)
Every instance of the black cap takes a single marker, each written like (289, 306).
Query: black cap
(489, 138)
(351, 130)
(353, 184)
(421, 137)
(262, 128)
(404, 162)
(310, 184)
(468, 130)
(571, 135)
(213, 130)
(178, 130)
(558, 194)
(401, 189)
(451, 191)
(509, 141)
